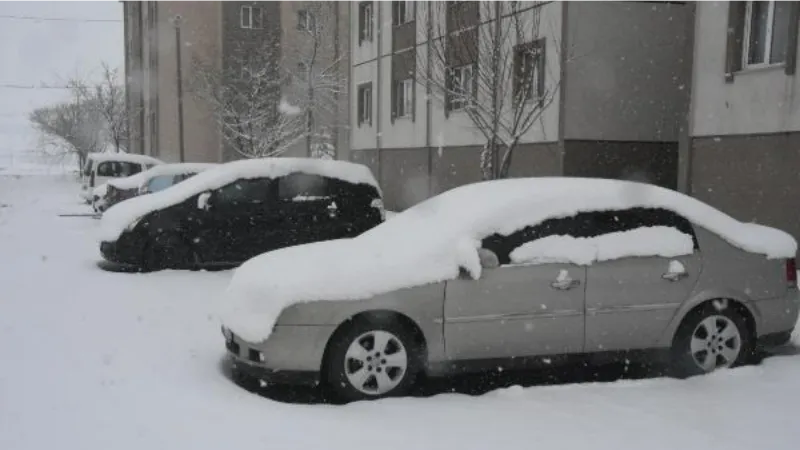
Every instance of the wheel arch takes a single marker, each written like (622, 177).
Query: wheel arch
(740, 302)
(378, 315)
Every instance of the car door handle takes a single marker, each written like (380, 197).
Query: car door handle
(565, 285)
(674, 276)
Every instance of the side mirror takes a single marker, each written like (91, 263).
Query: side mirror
(204, 201)
(488, 259)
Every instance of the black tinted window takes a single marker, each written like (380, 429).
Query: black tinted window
(117, 169)
(245, 192)
(587, 224)
(302, 185)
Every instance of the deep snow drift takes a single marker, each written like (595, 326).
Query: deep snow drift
(97, 361)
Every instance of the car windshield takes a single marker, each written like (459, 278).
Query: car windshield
(160, 183)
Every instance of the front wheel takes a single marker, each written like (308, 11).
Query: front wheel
(373, 359)
(167, 252)
(711, 338)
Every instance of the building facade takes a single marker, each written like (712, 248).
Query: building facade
(165, 41)
(616, 71)
(745, 115)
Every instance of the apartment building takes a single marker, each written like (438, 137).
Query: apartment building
(617, 73)
(745, 116)
(166, 42)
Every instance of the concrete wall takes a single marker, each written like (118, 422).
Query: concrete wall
(757, 101)
(200, 38)
(753, 178)
(625, 70)
(651, 162)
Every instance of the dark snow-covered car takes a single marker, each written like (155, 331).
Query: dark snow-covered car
(226, 215)
(513, 273)
(152, 180)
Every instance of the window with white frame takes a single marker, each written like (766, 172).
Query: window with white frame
(402, 12)
(365, 22)
(766, 33)
(251, 17)
(364, 106)
(404, 97)
(461, 86)
(305, 20)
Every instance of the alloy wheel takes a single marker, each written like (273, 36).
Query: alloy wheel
(376, 362)
(716, 342)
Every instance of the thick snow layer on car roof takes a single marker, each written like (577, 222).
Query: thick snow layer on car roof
(134, 181)
(123, 157)
(123, 214)
(429, 242)
(645, 241)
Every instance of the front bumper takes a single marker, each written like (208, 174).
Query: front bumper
(292, 354)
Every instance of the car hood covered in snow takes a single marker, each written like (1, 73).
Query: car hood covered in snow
(122, 215)
(135, 181)
(431, 241)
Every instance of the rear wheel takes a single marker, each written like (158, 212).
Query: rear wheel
(711, 338)
(373, 359)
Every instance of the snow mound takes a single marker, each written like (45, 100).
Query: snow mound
(646, 241)
(123, 214)
(431, 241)
(284, 107)
(100, 191)
(135, 181)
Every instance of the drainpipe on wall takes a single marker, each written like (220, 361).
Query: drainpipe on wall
(686, 118)
(428, 125)
(379, 86)
(177, 21)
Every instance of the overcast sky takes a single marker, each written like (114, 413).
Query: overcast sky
(35, 52)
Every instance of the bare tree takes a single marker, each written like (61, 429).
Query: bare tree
(492, 70)
(313, 61)
(94, 117)
(70, 128)
(245, 99)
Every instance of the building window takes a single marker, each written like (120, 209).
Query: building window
(251, 17)
(529, 72)
(364, 104)
(305, 20)
(403, 97)
(766, 33)
(365, 22)
(402, 12)
(461, 86)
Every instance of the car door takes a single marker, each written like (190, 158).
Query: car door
(519, 308)
(630, 300)
(308, 210)
(235, 226)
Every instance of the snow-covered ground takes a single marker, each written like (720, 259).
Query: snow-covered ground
(93, 360)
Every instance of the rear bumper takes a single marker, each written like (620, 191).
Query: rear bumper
(777, 315)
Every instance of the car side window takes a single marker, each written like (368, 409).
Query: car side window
(245, 192)
(301, 186)
(586, 225)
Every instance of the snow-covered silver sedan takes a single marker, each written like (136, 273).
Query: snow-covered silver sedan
(510, 273)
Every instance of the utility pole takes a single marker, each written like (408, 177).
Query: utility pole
(177, 21)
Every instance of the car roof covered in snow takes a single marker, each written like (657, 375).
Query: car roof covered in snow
(134, 181)
(123, 214)
(123, 157)
(431, 241)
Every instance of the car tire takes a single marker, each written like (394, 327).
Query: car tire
(373, 358)
(711, 337)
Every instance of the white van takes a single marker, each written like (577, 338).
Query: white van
(101, 167)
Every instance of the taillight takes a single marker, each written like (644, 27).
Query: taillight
(791, 272)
